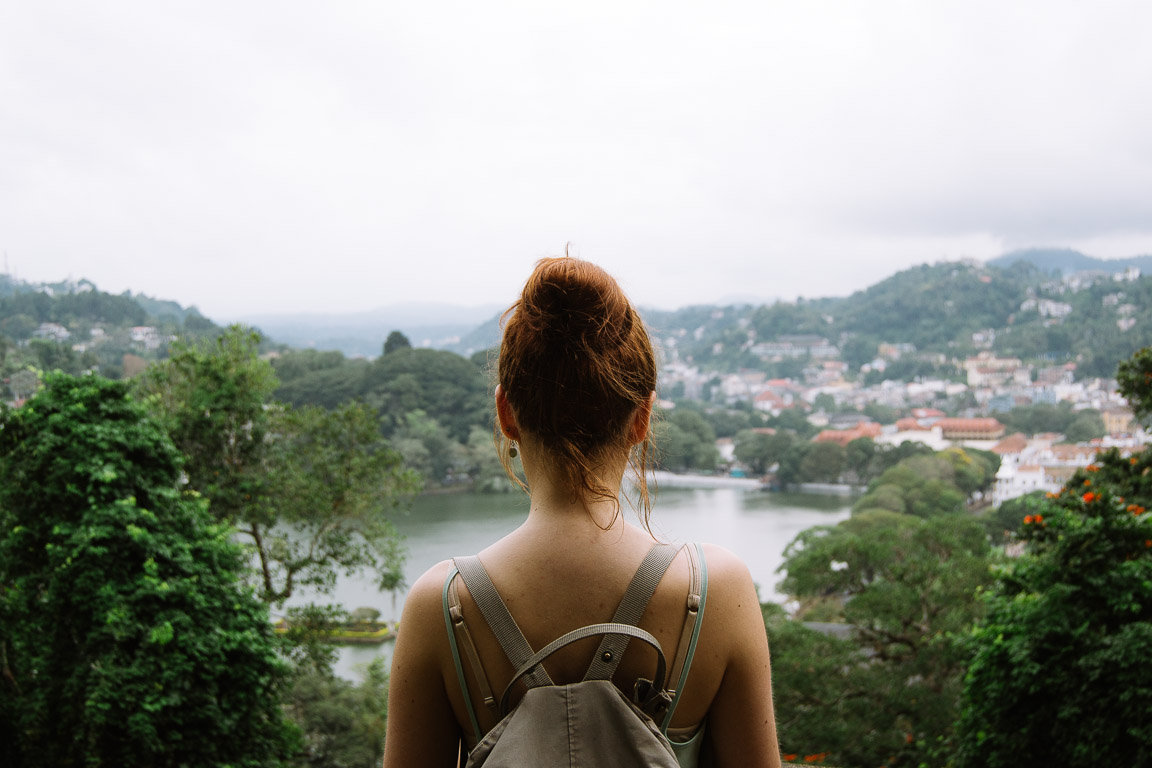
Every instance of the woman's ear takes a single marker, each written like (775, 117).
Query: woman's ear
(504, 416)
(642, 420)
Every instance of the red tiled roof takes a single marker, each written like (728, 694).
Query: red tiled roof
(987, 426)
(845, 436)
(1013, 443)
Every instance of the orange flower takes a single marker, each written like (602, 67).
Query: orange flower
(1052, 495)
(1039, 518)
(1090, 497)
(790, 757)
(1132, 460)
(1092, 468)
(1027, 519)
(1136, 509)
(1147, 543)
(1087, 482)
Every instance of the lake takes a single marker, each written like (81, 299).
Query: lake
(755, 525)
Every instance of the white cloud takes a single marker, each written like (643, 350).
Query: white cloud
(282, 156)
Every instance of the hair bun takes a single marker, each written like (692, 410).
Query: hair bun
(568, 300)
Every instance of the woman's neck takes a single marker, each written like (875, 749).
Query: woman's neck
(554, 503)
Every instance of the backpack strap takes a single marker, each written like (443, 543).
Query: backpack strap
(448, 622)
(464, 639)
(631, 608)
(654, 688)
(500, 621)
(686, 648)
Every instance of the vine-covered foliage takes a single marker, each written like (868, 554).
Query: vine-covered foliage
(127, 634)
(1060, 674)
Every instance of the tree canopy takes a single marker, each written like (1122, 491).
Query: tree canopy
(128, 636)
(310, 488)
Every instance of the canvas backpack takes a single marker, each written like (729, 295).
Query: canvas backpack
(592, 722)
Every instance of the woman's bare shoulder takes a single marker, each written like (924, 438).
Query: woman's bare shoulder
(741, 721)
(426, 594)
(727, 573)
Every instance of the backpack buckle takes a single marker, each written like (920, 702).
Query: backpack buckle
(652, 702)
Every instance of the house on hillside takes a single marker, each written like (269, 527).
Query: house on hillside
(52, 332)
(1036, 464)
(979, 433)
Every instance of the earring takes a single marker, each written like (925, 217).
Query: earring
(512, 452)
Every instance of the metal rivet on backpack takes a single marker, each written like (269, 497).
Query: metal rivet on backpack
(607, 656)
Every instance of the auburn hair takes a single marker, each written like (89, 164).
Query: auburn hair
(576, 363)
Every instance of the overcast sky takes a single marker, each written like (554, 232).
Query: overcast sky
(258, 157)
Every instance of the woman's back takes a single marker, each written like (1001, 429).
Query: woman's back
(576, 387)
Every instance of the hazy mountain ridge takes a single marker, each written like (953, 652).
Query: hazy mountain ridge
(426, 324)
(1068, 261)
(934, 307)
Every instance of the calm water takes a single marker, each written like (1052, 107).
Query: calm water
(755, 525)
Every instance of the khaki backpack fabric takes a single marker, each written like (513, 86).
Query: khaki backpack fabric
(592, 722)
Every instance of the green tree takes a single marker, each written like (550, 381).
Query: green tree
(825, 402)
(127, 635)
(1008, 518)
(858, 457)
(450, 389)
(395, 341)
(760, 450)
(908, 587)
(1060, 672)
(686, 441)
(1086, 426)
(332, 480)
(1134, 377)
(822, 463)
(212, 400)
(310, 488)
(924, 486)
(342, 724)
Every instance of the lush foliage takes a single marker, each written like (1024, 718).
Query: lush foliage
(686, 441)
(1060, 673)
(907, 587)
(434, 406)
(900, 585)
(310, 488)
(127, 634)
(342, 724)
(1076, 426)
(930, 485)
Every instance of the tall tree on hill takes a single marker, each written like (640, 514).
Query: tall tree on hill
(395, 341)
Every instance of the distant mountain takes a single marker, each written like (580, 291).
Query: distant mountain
(1067, 261)
(439, 326)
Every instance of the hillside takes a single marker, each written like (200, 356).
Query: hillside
(1042, 305)
(936, 313)
(74, 327)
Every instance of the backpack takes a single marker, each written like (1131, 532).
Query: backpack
(592, 722)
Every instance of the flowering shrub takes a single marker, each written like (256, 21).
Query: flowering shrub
(1060, 672)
